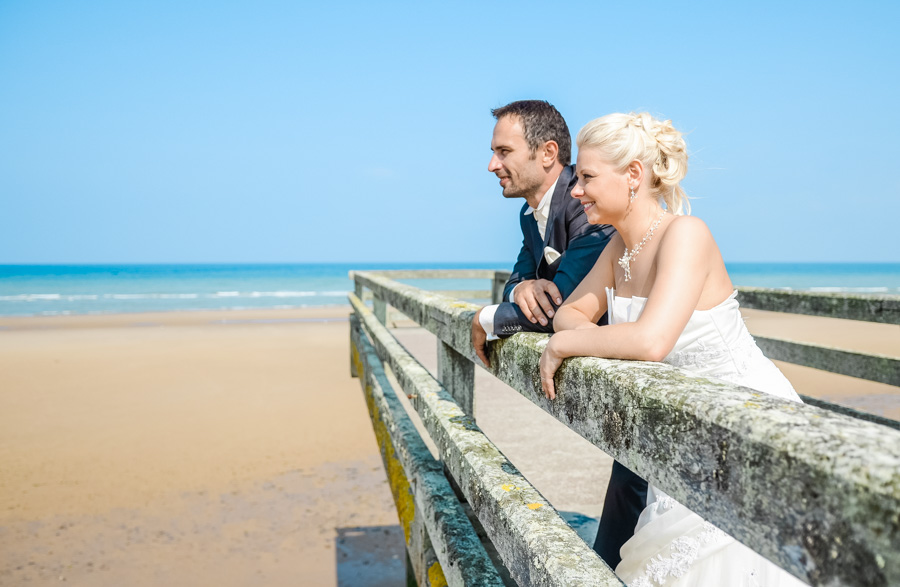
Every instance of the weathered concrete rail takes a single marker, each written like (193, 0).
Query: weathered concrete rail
(434, 523)
(870, 308)
(536, 544)
(814, 491)
(872, 367)
(498, 280)
(873, 308)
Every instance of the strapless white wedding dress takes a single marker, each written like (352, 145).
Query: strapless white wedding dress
(673, 546)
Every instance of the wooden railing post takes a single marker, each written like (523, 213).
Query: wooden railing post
(457, 374)
(499, 282)
(358, 290)
(379, 307)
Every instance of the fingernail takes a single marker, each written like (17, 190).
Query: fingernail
(543, 322)
(533, 320)
(550, 313)
(558, 300)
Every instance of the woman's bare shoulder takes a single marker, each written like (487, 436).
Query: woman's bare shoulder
(688, 230)
(688, 223)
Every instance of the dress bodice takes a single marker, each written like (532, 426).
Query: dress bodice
(714, 343)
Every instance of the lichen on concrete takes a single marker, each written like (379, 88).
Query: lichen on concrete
(815, 491)
(536, 544)
(441, 541)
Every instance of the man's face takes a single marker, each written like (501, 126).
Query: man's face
(519, 170)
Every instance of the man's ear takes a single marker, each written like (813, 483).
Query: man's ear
(549, 153)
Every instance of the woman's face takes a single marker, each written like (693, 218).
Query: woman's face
(602, 191)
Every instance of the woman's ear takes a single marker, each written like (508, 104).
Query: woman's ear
(635, 173)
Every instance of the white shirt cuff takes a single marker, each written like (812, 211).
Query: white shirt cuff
(486, 319)
(511, 299)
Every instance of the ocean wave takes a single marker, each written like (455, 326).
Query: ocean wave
(837, 289)
(295, 294)
(52, 297)
(47, 297)
(31, 297)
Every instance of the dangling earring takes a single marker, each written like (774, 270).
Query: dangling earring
(631, 198)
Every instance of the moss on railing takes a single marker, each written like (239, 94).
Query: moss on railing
(816, 492)
(442, 544)
(536, 544)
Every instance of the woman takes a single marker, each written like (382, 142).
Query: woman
(669, 298)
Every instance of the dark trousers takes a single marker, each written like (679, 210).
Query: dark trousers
(626, 497)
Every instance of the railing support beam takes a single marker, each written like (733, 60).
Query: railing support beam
(457, 374)
(497, 285)
(379, 307)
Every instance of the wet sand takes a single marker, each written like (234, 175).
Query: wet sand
(232, 448)
(226, 448)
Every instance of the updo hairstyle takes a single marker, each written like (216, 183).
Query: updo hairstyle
(623, 138)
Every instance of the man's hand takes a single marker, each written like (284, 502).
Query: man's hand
(479, 340)
(531, 297)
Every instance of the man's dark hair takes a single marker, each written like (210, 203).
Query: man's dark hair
(541, 122)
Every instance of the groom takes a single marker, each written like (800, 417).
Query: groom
(532, 154)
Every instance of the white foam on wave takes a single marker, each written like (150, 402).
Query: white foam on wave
(152, 296)
(30, 297)
(282, 294)
(168, 296)
(838, 289)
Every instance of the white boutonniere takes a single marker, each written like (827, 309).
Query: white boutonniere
(551, 255)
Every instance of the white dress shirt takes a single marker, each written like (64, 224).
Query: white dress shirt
(540, 214)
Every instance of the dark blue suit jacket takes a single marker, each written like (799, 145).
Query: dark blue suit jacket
(569, 233)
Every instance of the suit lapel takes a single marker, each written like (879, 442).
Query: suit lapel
(537, 247)
(557, 219)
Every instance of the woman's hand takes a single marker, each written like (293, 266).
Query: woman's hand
(550, 362)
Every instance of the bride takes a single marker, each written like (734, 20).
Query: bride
(669, 298)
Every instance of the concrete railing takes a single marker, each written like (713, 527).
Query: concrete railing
(815, 491)
(871, 308)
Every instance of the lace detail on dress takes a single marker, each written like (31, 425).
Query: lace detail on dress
(701, 357)
(684, 551)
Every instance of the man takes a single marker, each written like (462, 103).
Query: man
(532, 153)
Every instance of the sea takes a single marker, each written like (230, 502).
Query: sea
(52, 290)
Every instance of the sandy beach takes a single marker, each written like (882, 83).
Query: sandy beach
(233, 448)
(227, 448)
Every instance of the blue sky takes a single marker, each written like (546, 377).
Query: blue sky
(292, 132)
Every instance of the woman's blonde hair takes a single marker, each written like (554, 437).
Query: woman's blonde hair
(623, 138)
